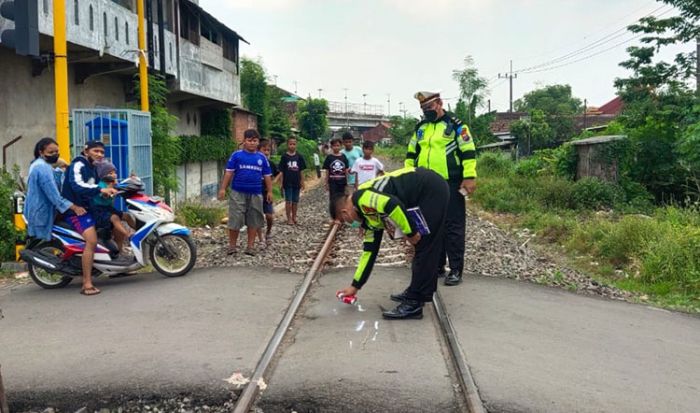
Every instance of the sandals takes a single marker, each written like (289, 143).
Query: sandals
(90, 291)
(231, 250)
(250, 251)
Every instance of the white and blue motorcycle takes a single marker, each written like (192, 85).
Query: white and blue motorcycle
(157, 240)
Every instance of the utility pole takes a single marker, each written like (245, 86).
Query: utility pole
(295, 87)
(319, 92)
(143, 66)
(347, 115)
(388, 101)
(364, 102)
(60, 51)
(697, 66)
(585, 109)
(489, 106)
(510, 76)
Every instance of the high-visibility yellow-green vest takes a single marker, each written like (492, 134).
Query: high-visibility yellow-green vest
(444, 146)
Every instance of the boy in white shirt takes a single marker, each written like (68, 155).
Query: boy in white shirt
(367, 167)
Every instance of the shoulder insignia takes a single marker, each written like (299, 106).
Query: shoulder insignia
(419, 134)
(464, 133)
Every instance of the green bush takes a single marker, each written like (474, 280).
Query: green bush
(205, 148)
(560, 161)
(492, 164)
(530, 167)
(553, 192)
(592, 193)
(196, 214)
(7, 228)
(305, 147)
(395, 152)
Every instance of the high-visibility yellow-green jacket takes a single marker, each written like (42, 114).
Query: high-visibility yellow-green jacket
(376, 201)
(444, 146)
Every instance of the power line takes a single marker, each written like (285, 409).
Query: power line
(594, 45)
(586, 38)
(585, 57)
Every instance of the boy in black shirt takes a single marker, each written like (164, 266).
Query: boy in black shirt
(291, 166)
(336, 167)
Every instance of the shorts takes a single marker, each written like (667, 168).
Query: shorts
(268, 208)
(245, 209)
(291, 194)
(103, 217)
(80, 223)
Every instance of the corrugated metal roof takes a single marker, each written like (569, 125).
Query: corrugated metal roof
(598, 139)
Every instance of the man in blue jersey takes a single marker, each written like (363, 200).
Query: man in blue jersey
(244, 171)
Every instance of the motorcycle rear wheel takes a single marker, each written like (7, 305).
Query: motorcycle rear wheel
(44, 278)
(173, 265)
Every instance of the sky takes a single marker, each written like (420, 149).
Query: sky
(389, 49)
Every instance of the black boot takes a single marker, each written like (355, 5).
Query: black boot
(441, 272)
(403, 296)
(453, 278)
(405, 310)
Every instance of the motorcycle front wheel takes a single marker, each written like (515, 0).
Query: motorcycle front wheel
(44, 278)
(173, 255)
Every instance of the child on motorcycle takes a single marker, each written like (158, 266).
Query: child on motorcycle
(107, 217)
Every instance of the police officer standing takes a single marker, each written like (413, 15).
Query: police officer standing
(442, 143)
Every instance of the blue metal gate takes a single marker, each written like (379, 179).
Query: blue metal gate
(126, 135)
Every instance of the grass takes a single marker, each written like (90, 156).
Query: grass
(602, 231)
(196, 214)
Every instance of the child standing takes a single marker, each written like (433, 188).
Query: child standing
(268, 207)
(244, 171)
(367, 167)
(336, 167)
(352, 153)
(291, 166)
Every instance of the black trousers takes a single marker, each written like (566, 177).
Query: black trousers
(433, 202)
(455, 227)
(333, 192)
(318, 171)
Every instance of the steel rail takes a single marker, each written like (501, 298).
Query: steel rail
(250, 392)
(464, 375)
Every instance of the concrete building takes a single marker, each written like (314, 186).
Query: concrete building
(198, 55)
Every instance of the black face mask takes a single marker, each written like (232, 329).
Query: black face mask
(51, 159)
(430, 115)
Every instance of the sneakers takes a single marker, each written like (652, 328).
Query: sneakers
(409, 309)
(453, 278)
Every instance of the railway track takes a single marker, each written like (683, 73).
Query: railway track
(329, 256)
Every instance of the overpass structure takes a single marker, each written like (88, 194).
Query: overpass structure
(354, 116)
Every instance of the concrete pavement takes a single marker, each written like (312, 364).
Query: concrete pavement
(540, 349)
(347, 358)
(143, 335)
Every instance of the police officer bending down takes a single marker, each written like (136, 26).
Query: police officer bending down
(389, 201)
(444, 144)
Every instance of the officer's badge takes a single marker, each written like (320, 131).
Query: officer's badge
(367, 210)
(464, 134)
(419, 134)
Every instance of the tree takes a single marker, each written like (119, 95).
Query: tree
(472, 88)
(254, 90)
(558, 106)
(277, 120)
(534, 133)
(661, 110)
(402, 129)
(480, 126)
(312, 117)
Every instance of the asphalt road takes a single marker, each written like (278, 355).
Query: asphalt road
(530, 348)
(143, 335)
(540, 349)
